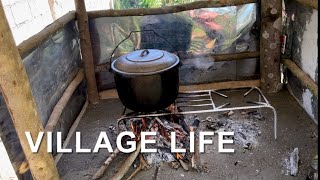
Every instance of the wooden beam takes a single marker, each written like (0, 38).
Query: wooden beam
(34, 41)
(61, 104)
(271, 28)
(302, 76)
(222, 85)
(310, 3)
(167, 9)
(222, 57)
(16, 90)
(86, 51)
(187, 57)
(112, 93)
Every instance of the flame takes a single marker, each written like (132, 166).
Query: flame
(178, 156)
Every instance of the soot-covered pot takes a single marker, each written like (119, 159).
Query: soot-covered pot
(147, 80)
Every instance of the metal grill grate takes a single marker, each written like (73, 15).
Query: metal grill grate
(202, 102)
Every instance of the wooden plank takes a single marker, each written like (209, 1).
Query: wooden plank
(61, 104)
(302, 76)
(34, 41)
(16, 90)
(86, 51)
(310, 3)
(271, 28)
(167, 9)
(112, 93)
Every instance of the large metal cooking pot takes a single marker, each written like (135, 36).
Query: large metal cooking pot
(147, 80)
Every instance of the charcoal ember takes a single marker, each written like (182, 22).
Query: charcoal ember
(216, 125)
(196, 122)
(213, 126)
(248, 146)
(255, 115)
(122, 126)
(191, 119)
(174, 164)
(205, 169)
(222, 123)
(184, 125)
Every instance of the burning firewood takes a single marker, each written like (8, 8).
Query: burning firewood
(195, 160)
(164, 126)
(183, 164)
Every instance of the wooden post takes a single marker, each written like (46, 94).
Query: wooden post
(271, 28)
(16, 91)
(86, 51)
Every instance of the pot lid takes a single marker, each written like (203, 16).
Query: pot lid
(144, 62)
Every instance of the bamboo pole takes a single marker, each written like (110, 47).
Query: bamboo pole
(16, 91)
(167, 9)
(310, 3)
(271, 28)
(59, 107)
(106, 164)
(112, 93)
(302, 76)
(86, 51)
(34, 41)
(71, 131)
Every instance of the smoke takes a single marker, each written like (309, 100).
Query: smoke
(205, 63)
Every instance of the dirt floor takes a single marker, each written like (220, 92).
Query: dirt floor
(266, 158)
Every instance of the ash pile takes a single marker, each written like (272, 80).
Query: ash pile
(244, 125)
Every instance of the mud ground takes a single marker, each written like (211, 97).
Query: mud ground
(265, 161)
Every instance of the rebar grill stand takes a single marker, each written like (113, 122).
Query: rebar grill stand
(207, 105)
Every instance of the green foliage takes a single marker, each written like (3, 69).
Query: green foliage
(152, 3)
(128, 4)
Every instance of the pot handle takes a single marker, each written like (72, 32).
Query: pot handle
(144, 52)
(149, 30)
